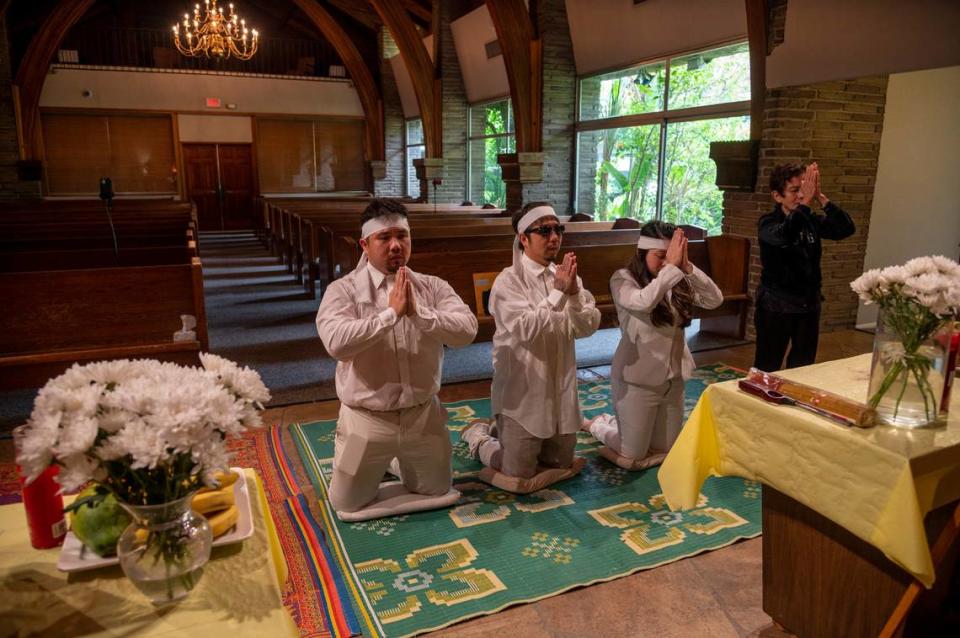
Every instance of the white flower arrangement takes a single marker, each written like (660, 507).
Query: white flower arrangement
(151, 432)
(918, 299)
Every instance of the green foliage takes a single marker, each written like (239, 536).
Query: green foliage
(625, 181)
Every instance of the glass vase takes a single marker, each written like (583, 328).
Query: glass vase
(908, 375)
(164, 550)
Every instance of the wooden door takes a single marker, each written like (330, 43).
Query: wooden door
(203, 183)
(219, 178)
(236, 185)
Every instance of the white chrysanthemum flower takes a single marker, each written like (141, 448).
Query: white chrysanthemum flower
(138, 415)
(867, 285)
(892, 275)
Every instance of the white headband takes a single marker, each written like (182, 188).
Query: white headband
(652, 243)
(384, 222)
(533, 215)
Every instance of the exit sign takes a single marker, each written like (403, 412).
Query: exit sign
(213, 102)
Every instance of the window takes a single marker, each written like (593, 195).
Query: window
(644, 133)
(414, 148)
(306, 156)
(490, 132)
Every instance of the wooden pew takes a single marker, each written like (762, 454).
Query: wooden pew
(83, 258)
(723, 257)
(346, 250)
(62, 317)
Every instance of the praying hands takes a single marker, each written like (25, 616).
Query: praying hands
(565, 279)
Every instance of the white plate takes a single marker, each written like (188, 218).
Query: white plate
(72, 560)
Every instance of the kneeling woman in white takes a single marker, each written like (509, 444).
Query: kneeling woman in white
(655, 296)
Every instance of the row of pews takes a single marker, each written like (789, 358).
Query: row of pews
(78, 295)
(317, 239)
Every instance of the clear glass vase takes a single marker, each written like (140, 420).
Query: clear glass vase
(908, 374)
(164, 550)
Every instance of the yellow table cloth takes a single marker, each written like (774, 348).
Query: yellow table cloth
(878, 483)
(238, 595)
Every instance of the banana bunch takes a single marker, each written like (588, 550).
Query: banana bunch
(218, 505)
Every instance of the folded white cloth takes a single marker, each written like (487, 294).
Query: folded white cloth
(394, 499)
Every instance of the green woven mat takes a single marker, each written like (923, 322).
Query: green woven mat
(415, 573)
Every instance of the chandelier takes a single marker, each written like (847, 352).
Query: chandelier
(217, 35)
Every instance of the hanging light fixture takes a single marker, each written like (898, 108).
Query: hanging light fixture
(216, 35)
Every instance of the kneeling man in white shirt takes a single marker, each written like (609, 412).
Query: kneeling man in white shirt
(540, 308)
(386, 327)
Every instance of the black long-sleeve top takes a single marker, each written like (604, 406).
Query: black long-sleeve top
(790, 255)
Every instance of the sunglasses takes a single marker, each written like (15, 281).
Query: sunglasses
(546, 231)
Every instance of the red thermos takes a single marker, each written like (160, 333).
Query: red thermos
(44, 505)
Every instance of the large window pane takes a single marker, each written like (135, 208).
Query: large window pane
(710, 77)
(637, 90)
(486, 181)
(413, 184)
(690, 194)
(496, 119)
(618, 172)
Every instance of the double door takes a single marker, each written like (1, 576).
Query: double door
(220, 179)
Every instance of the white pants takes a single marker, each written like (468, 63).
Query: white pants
(367, 441)
(647, 417)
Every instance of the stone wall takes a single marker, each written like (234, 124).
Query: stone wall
(453, 190)
(559, 109)
(393, 123)
(10, 186)
(838, 124)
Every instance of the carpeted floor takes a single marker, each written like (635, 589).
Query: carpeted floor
(420, 572)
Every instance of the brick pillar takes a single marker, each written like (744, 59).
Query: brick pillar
(392, 185)
(11, 187)
(453, 190)
(559, 109)
(837, 124)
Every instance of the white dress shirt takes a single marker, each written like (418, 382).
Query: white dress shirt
(534, 360)
(385, 362)
(649, 354)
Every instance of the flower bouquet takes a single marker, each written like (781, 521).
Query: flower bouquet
(918, 304)
(152, 434)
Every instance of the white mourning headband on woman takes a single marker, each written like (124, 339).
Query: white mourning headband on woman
(533, 215)
(652, 243)
(384, 222)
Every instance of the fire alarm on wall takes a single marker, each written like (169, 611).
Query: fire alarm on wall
(213, 102)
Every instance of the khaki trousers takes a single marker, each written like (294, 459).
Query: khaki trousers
(515, 452)
(648, 417)
(366, 442)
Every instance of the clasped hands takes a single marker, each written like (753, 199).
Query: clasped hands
(402, 298)
(677, 252)
(810, 186)
(565, 277)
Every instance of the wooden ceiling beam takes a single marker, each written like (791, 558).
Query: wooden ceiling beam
(418, 10)
(523, 57)
(757, 38)
(366, 86)
(359, 11)
(33, 71)
(426, 84)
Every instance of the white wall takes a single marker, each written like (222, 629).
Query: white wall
(916, 207)
(408, 99)
(215, 128)
(64, 87)
(608, 34)
(840, 39)
(483, 78)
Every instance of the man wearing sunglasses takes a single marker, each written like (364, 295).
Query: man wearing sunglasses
(540, 308)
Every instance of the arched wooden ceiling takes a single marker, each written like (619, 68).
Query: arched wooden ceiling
(35, 63)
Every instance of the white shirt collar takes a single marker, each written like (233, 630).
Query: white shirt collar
(534, 268)
(376, 276)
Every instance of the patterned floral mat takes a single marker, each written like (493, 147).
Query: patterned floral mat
(406, 575)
